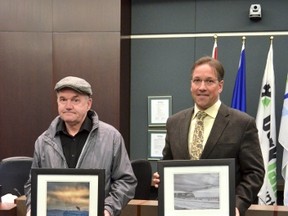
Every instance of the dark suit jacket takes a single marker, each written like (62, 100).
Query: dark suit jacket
(233, 135)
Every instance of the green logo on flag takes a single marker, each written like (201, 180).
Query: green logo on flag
(266, 101)
(266, 95)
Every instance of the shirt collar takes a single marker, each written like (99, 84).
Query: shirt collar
(86, 125)
(211, 111)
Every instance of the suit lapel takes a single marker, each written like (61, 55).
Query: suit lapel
(184, 131)
(219, 126)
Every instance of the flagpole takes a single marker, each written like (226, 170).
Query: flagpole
(243, 40)
(215, 48)
(271, 39)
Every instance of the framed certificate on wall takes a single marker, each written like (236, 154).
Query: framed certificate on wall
(156, 143)
(159, 109)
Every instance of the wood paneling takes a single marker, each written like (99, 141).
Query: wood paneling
(126, 17)
(125, 78)
(25, 15)
(86, 15)
(25, 90)
(96, 58)
(41, 41)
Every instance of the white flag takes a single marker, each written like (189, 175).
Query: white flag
(265, 121)
(283, 140)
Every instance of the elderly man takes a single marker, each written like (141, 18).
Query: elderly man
(78, 139)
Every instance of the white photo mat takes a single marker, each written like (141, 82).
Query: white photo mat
(196, 187)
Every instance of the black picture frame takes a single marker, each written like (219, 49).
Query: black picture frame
(67, 191)
(196, 187)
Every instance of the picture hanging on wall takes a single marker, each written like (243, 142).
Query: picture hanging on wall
(159, 109)
(156, 143)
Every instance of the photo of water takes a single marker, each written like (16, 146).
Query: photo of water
(67, 199)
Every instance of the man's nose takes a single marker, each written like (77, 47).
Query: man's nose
(202, 85)
(68, 104)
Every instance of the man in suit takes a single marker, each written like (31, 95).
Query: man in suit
(228, 133)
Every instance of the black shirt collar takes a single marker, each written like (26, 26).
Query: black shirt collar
(86, 125)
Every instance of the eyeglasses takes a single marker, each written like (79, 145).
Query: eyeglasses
(208, 82)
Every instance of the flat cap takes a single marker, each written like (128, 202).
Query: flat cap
(78, 84)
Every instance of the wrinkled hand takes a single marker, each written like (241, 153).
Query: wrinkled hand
(106, 213)
(237, 213)
(155, 180)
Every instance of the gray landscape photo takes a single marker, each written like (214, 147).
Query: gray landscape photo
(196, 191)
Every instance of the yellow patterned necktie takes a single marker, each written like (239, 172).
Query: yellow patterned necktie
(198, 136)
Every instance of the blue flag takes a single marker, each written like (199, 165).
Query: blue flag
(239, 92)
(283, 140)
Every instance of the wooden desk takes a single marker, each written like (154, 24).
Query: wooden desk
(141, 208)
(263, 210)
(150, 208)
(8, 209)
(21, 205)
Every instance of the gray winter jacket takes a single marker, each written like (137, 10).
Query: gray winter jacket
(104, 149)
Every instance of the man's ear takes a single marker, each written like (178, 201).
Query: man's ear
(89, 103)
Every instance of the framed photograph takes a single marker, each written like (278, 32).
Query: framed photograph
(67, 192)
(159, 109)
(156, 143)
(196, 187)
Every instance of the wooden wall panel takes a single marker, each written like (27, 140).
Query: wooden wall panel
(41, 41)
(96, 58)
(25, 90)
(124, 97)
(25, 15)
(86, 15)
(126, 18)
(125, 78)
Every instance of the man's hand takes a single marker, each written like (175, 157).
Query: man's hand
(155, 180)
(28, 213)
(237, 213)
(106, 213)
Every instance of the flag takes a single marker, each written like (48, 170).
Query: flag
(239, 92)
(283, 140)
(265, 121)
(215, 49)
